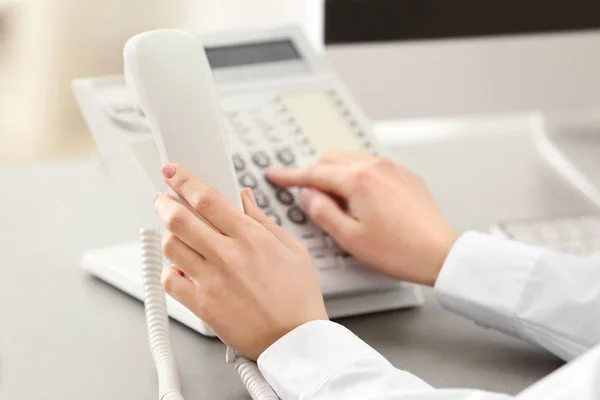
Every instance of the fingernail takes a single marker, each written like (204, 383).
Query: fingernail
(306, 196)
(168, 171)
(251, 196)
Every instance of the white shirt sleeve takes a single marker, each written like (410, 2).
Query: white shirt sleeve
(321, 360)
(543, 297)
(546, 298)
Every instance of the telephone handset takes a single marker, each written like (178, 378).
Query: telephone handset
(266, 98)
(168, 75)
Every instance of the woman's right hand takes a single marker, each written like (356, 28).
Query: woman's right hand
(380, 212)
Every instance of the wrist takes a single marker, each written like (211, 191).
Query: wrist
(442, 249)
(430, 258)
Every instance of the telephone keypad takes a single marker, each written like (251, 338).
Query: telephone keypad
(265, 134)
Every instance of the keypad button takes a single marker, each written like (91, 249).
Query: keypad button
(285, 196)
(238, 162)
(286, 156)
(297, 216)
(248, 180)
(274, 217)
(261, 159)
(262, 200)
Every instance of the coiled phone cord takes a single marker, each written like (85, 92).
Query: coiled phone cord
(157, 321)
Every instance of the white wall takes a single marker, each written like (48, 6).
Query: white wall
(208, 15)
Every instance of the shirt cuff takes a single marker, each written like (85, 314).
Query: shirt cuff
(483, 278)
(302, 361)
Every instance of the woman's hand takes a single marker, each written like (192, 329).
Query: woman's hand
(380, 212)
(244, 276)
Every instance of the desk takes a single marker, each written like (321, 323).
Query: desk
(68, 336)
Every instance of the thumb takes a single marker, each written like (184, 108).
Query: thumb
(327, 214)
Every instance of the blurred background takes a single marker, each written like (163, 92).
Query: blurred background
(45, 44)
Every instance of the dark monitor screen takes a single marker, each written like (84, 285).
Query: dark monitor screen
(349, 21)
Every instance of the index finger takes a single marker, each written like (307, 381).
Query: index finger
(343, 157)
(205, 200)
(325, 177)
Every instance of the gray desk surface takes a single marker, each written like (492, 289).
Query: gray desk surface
(65, 335)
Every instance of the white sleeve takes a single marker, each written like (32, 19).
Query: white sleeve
(576, 380)
(547, 298)
(322, 360)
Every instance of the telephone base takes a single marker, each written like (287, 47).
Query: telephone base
(120, 266)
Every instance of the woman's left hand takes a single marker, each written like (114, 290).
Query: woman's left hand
(247, 278)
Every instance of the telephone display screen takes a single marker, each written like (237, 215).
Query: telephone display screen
(253, 53)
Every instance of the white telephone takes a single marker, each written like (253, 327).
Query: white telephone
(281, 104)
